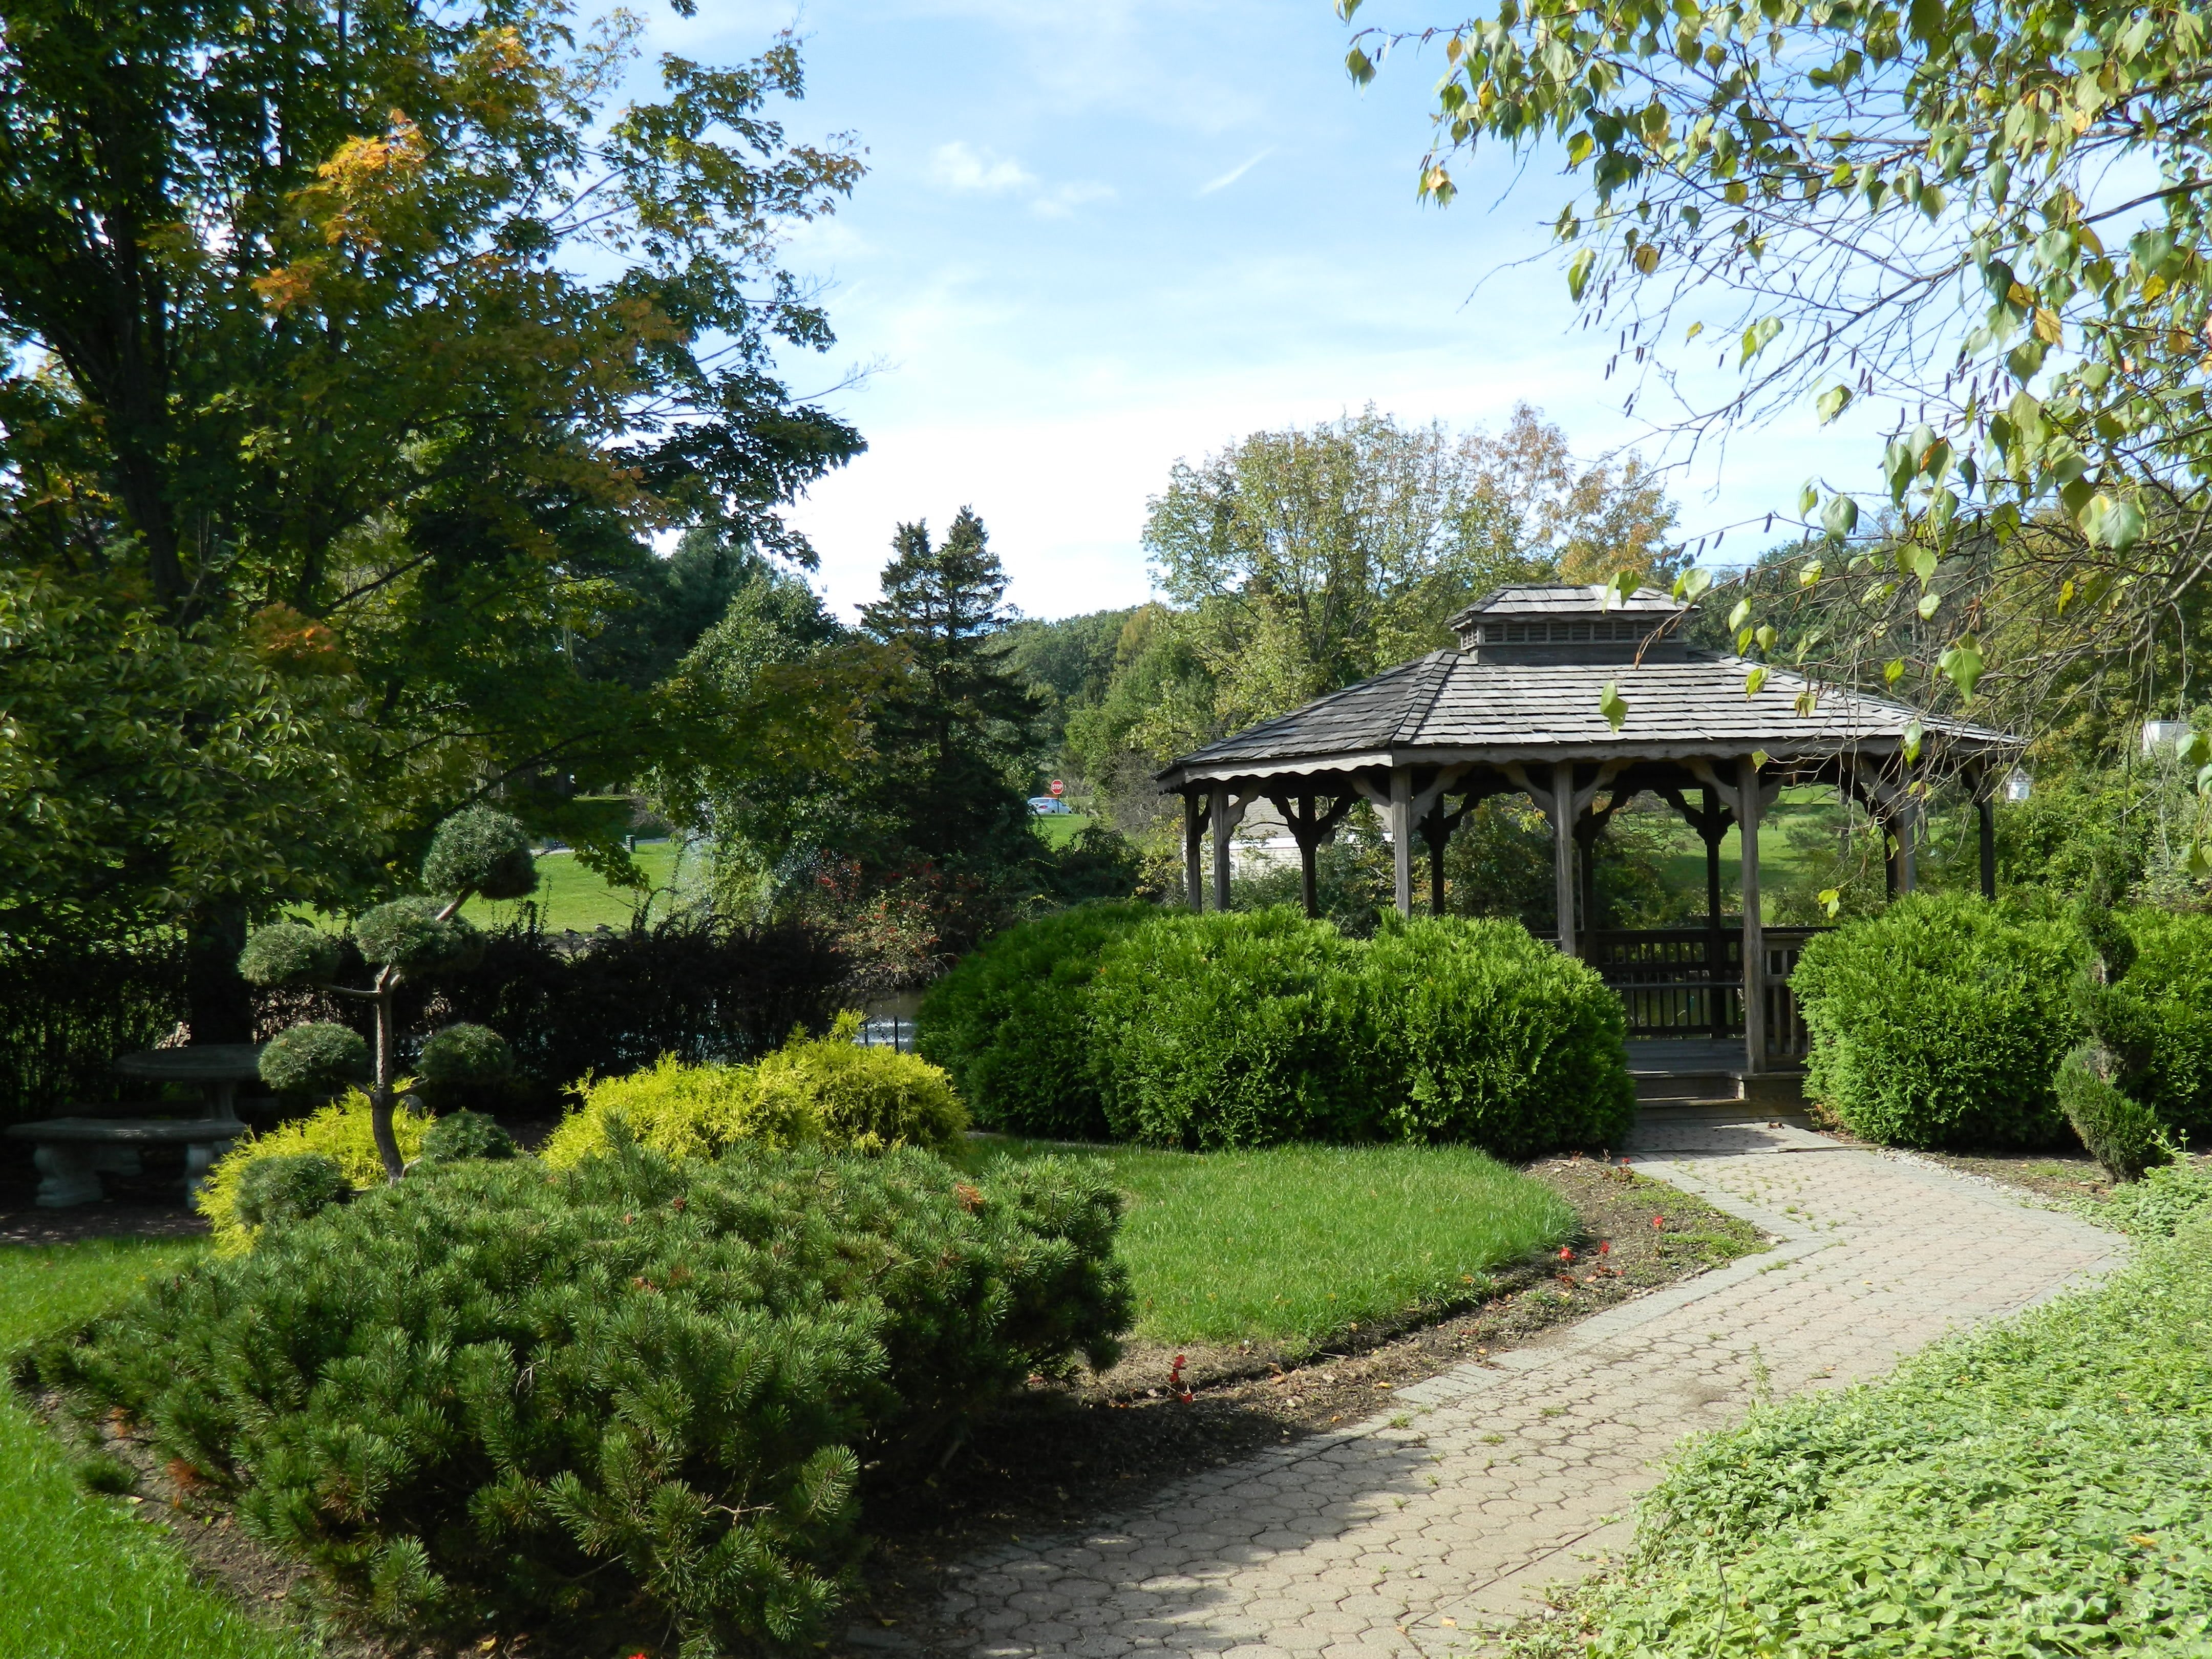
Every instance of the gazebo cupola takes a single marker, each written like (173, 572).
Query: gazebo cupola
(1520, 707)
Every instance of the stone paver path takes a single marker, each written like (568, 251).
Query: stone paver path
(1412, 1534)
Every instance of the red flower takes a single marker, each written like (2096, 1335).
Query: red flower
(1659, 1223)
(1566, 1254)
(1605, 1247)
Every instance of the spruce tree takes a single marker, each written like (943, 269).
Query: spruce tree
(958, 735)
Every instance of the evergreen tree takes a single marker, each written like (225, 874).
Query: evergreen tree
(957, 736)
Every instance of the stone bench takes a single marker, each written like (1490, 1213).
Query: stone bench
(71, 1153)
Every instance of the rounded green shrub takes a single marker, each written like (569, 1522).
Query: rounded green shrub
(482, 852)
(464, 1063)
(2121, 1134)
(465, 1134)
(2166, 994)
(318, 1058)
(867, 1099)
(289, 953)
(410, 934)
(678, 1111)
(287, 1187)
(1011, 1023)
(639, 1390)
(1940, 1021)
(1232, 1029)
(1482, 1034)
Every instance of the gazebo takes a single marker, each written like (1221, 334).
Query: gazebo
(1517, 709)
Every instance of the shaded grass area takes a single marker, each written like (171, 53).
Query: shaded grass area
(1299, 1243)
(79, 1577)
(1057, 831)
(571, 897)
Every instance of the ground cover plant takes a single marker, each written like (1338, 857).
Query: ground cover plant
(1299, 1243)
(2042, 1487)
(492, 1396)
(79, 1577)
(1940, 1022)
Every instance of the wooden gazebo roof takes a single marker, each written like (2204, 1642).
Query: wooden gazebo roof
(1519, 708)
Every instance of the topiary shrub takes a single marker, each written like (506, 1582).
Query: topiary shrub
(1940, 1022)
(1011, 1023)
(1232, 1029)
(867, 1099)
(640, 1389)
(410, 934)
(1479, 1033)
(479, 850)
(287, 1187)
(288, 953)
(342, 1132)
(2121, 1134)
(319, 1058)
(465, 1134)
(463, 1063)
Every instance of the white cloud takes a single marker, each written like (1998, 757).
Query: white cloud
(1063, 199)
(1235, 173)
(960, 166)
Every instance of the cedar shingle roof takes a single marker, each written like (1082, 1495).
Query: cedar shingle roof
(1449, 707)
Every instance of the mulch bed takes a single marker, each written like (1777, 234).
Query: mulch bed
(1060, 1456)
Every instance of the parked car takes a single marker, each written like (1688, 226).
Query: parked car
(1049, 806)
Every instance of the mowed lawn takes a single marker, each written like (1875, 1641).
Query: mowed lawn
(1299, 1244)
(570, 897)
(81, 1577)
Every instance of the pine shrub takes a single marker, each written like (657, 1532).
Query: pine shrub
(319, 1058)
(287, 1187)
(493, 1394)
(339, 1131)
(2121, 1134)
(1480, 1034)
(1232, 1029)
(1940, 1022)
(1011, 1023)
(465, 1134)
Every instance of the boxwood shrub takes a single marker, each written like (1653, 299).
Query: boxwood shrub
(1012, 1025)
(2166, 992)
(1940, 1022)
(1479, 1033)
(495, 1394)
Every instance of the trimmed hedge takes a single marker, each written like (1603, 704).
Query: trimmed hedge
(1009, 1024)
(1940, 1022)
(1487, 1035)
(492, 1396)
(1235, 1029)
(1249, 1029)
(2167, 992)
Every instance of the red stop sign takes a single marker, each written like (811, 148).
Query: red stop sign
(1057, 787)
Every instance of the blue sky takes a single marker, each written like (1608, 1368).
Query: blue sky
(1097, 237)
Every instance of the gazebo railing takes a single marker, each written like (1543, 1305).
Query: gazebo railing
(1688, 981)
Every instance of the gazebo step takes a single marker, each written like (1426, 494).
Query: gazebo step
(1778, 1090)
(1662, 1112)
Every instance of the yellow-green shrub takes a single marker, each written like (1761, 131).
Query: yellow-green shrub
(682, 1111)
(826, 1091)
(340, 1130)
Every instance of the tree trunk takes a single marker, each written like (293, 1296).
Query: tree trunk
(387, 1067)
(218, 1002)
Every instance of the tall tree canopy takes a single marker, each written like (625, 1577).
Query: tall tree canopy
(1993, 213)
(1307, 559)
(357, 348)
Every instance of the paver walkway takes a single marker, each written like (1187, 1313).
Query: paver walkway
(1412, 1534)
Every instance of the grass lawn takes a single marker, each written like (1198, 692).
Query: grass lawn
(79, 1577)
(1297, 1243)
(572, 897)
(1057, 831)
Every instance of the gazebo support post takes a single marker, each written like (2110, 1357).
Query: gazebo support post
(1908, 824)
(1437, 828)
(1308, 888)
(1562, 850)
(1754, 934)
(1711, 830)
(1222, 827)
(1401, 837)
(1193, 840)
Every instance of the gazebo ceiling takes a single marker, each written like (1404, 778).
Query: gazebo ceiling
(1506, 698)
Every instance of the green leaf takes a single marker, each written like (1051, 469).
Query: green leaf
(1758, 337)
(1753, 681)
(1691, 584)
(1809, 498)
(1962, 666)
(1928, 602)
(1832, 900)
(1832, 403)
(1612, 705)
(1922, 563)
(1578, 273)
(1740, 615)
(1840, 517)
(1913, 733)
(2107, 522)
(1892, 671)
(1809, 576)
(1359, 66)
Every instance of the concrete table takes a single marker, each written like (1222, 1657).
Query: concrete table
(217, 1067)
(71, 1152)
